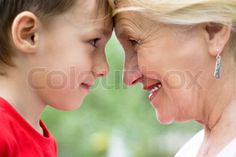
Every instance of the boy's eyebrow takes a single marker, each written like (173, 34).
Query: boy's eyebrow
(106, 31)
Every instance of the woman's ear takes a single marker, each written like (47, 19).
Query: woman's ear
(217, 37)
(24, 32)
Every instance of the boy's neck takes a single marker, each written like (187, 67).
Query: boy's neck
(25, 101)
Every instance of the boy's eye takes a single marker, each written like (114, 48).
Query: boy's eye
(93, 42)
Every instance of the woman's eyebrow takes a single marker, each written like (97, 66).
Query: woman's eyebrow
(126, 26)
(125, 30)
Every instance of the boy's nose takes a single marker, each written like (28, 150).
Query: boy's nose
(101, 70)
(100, 65)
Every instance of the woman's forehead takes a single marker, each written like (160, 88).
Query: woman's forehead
(133, 19)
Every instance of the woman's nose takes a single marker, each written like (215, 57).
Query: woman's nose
(132, 74)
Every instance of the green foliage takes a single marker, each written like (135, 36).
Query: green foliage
(115, 118)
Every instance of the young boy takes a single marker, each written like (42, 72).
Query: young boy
(51, 52)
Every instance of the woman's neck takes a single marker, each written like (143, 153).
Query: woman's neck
(219, 120)
(221, 134)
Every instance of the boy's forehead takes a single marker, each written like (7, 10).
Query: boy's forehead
(84, 16)
(91, 9)
(87, 15)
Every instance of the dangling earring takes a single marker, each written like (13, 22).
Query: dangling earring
(218, 66)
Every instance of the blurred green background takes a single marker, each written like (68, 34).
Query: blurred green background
(115, 120)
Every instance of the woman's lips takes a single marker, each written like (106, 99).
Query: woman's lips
(154, 89)
(153, 94)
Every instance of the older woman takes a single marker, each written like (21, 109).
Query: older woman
(184, 51)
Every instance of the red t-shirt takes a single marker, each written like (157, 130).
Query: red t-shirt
(19, 139)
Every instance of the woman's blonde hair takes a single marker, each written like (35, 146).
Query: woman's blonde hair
(184, 12)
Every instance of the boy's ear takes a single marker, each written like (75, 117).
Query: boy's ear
(217, 37)
(25, 32)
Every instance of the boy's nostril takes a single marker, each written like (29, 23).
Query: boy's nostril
(101, 75)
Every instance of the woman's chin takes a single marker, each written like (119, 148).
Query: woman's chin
(166, 120)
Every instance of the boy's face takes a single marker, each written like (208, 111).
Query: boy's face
(71, 55)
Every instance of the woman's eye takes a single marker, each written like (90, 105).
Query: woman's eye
(133, 42)
(93, 42)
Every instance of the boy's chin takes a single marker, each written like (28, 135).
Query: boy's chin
(70, 107)
(67, 107)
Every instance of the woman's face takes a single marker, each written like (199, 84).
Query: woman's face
(172, 62)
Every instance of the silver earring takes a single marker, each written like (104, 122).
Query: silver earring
(218, 66)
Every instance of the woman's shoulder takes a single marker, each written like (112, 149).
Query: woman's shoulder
(192, 146)
(229, 150)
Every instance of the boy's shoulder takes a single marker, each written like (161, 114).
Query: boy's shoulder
(6, 125)
(7, 138)
(17, 137)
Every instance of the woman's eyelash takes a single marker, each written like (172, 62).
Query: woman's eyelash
(133, 42)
